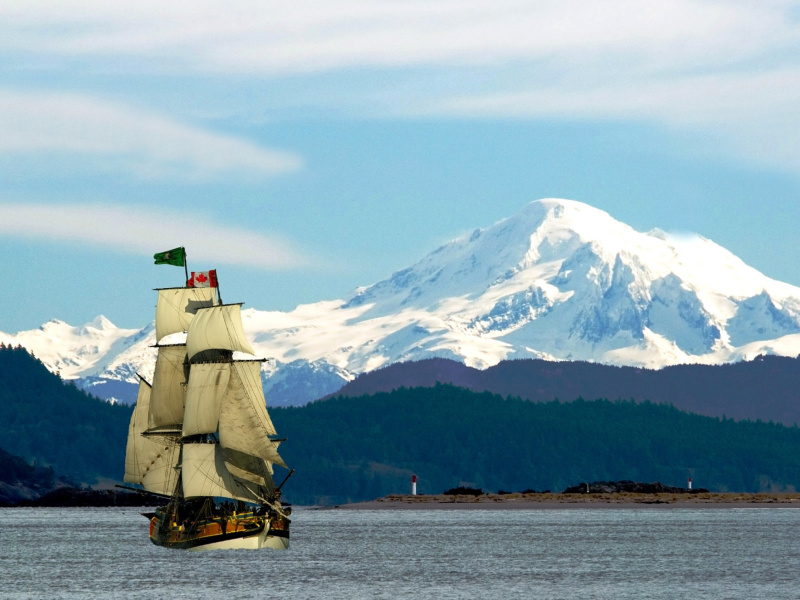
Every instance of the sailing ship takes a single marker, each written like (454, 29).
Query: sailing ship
(200, 434)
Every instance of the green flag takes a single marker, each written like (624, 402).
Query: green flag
(176, 256)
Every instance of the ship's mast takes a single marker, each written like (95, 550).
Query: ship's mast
(214, 406)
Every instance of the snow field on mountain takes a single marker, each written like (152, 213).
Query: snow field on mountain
(559, 280)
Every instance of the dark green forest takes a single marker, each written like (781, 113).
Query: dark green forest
(20, 480)
(763, 388)
(46, 420)
(347, 449)
(357, 448)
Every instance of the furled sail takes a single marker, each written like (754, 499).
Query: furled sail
(169, 389)
(204, 473)
(176, 308)
(207, 385)
(149, 460)
(244, 423)
(218, 327)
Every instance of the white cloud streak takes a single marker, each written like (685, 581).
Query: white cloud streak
(307, 35)
(756, 114)
(680, 100)
(144, 231)
(728, 67)
(150, 145)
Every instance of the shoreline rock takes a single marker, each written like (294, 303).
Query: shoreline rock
(76, 497)
(632, 487)
(579, 501)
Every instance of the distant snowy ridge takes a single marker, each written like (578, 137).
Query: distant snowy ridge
(78, 351)
(559, 280)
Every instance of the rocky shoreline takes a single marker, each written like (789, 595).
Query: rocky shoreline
(620, 494)
(527, 501)
(75, 497)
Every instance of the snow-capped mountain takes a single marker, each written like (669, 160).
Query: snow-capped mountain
(559, 280)
(78, 351)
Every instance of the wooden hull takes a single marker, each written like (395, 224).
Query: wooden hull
(245, 531)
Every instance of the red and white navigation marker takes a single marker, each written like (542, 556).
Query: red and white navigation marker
(413, 485)
(690, 483)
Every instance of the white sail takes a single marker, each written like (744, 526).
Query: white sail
(161, 475)
(136, 425)
(149, 460)
(207, 385)
(169, 389)
(219, 327)
(244, 423)
(204, 474)
(138, 450)
(212, 395)
(250, 470)
(176, 308)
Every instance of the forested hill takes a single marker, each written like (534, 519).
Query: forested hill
(347, 449)
(46, 420)
(766, 388)
(368, 446)
(20, 480)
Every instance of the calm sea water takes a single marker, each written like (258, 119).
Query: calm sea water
(608, 554)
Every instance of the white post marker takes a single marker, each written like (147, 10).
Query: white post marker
(690, 483)
(413, 485)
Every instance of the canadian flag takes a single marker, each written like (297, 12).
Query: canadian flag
(203, 279)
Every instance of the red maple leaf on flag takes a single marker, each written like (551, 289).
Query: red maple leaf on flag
(201, 278)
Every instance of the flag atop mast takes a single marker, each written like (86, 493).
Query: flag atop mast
(203, 279)
(175, 257)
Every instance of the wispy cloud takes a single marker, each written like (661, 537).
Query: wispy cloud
(307, 35)
(728, 67)
(144, 231)
(150, 145)
(755, 113)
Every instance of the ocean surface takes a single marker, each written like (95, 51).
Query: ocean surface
(574, 553)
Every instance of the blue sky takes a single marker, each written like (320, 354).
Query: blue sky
(306, 150)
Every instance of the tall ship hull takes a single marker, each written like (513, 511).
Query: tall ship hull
(200, 434)
(244, 531)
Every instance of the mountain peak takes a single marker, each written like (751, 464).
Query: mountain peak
(562, 279)
(559, 280)
(562, 213)
(101, 322)
(542, 233)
